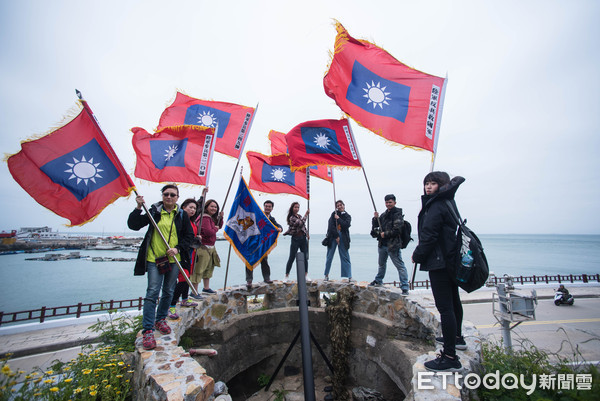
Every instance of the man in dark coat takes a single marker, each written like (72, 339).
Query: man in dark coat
(389, 242)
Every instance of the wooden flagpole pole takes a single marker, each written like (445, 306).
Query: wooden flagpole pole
(152, 221)
(364, 172)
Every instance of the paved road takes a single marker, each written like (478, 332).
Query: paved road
(573, 326)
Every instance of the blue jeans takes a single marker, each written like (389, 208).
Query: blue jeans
(396, 257)
(155, 281)
(344, 258)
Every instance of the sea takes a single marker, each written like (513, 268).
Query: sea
(32, 284)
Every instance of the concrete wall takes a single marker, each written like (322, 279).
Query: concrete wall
(391, 338)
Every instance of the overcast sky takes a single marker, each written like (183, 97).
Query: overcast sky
(520, 119)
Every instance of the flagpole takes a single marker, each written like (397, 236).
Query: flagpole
(333, 182)
(229, 252)
(240, 156)
(364, 172)
(308, 208)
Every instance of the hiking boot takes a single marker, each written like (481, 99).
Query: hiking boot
(208, 291)
(405, 293)
(269, 281)
(461, 345)
(326, 278)
(442, 363)
(148, 341)
(249, 285)
(162, 326)
(188, 303)
(374, 283)
(173, 313)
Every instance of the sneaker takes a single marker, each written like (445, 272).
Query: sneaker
(308, 279)
(162, 326)
(249, 285)
(148, 341)
(188, 303)
(405, 293)
(173, 313)
(461, 345)
(208, 291)
(443, 364)
(286, 278)
(374, 283)
(197, 297)
(268, 281)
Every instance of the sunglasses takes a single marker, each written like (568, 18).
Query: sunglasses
(170, 194)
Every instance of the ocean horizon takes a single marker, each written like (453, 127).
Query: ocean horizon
(32, 284)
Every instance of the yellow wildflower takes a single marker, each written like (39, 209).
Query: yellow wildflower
(54, 389)
(50, 372)
(6, 370)
(108, 386)
(121, 363)
(48, 381)
(93, 393)
(86, 371)
(78, 390)
(69, 380)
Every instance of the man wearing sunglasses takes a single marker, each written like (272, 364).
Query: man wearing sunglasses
(158, 259)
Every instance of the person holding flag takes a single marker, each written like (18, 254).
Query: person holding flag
(157, 259)
(389, 241)
(338, 235)
(207, 257)
(297, 229)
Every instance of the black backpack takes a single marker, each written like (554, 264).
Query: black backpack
(466, 240)
(405, 234)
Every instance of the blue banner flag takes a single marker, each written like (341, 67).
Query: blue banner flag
(248, 229)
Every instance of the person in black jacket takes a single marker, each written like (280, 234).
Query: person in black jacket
(176, 228)
(389, 242)
(437, 237)
(338, 234)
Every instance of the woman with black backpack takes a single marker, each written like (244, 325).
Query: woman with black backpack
(435, 252)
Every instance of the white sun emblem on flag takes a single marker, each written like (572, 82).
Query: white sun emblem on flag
(207, 119)
(321, 140)
(376, 94)
(278, 174)
(170, 152)
(84, 170)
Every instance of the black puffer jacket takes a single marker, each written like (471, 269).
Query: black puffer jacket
(344, 222)
(437, 228)
(183, 228)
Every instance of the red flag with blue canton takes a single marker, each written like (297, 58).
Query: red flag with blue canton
(233, 120)
(272, 174)
(179, 154)
(382, 94)
(248, 229)
(322, 142)
(73, 171)
(279, 146)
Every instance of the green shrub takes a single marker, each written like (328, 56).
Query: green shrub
(529, 361)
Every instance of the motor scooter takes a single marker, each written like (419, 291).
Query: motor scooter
(561, 299)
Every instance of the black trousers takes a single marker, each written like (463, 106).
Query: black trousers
(180, 289)
(264, 267)
(447, 302)
(298, 243)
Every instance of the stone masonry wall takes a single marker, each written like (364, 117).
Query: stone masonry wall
(170, 373)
